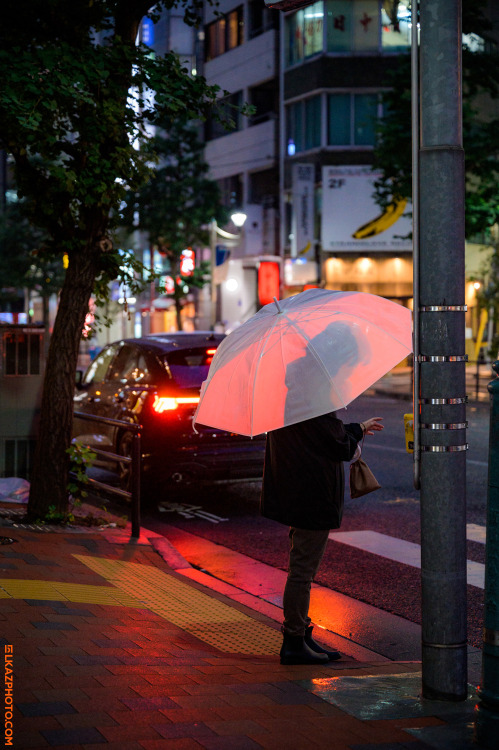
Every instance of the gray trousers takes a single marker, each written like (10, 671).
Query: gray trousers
(306, 551)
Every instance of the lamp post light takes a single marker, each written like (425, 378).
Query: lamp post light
(238, 218)
(230, 240)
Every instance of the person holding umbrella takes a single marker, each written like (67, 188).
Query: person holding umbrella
(303, 487)
(303, 484)
(285, 372)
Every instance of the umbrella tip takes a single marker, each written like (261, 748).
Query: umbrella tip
(277, 304)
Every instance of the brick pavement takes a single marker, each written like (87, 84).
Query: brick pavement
(96, 665)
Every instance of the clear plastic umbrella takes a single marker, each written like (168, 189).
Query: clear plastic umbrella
(303, 356)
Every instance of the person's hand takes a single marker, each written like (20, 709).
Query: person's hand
(370, 426)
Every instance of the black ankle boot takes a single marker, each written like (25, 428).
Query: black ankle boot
(309, 641)
(294, 650)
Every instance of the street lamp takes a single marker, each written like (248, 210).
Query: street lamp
(238, 218)
(230, 240)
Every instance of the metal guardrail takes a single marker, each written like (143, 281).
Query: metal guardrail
(133, 460)
(478, 378)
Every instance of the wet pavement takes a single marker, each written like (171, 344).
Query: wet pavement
(129, 643)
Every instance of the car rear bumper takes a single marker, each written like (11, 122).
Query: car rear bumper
(210, 463)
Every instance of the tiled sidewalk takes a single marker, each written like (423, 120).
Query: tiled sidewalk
(111, 646)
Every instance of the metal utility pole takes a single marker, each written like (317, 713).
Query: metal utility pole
(440, 353)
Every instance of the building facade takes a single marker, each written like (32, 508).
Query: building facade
(300, 166)
(336, 58)
(241, 56)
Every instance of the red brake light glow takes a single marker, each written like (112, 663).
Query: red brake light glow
(169, 403)
(209, 355)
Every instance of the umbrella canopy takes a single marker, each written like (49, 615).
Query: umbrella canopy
(303, 356)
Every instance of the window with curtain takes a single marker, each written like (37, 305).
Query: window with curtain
(339, 119)
(364, 119)
(224, 34)
(313, 122)
(294, 126)
(304, 33)
(353, 25)
(303, 124)
(352, 119)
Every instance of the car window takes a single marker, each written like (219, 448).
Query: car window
(142, 373)
(189, 368)
(99, 367)
(124, 364)
(130, 366)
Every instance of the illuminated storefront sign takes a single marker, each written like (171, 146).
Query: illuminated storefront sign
(351, 219)
(268, 282)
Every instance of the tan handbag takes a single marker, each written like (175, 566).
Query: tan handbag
(362, 480)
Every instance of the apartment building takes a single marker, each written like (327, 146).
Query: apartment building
(300, 167)
(241, 55)
(336, 57)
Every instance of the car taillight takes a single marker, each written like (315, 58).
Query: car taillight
(169, 403)
(209, 355)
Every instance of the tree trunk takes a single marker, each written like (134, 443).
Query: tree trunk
(178, 309)
(51, 462)
(46, 323)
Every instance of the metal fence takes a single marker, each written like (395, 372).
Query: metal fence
(134, 460)
(478, 376)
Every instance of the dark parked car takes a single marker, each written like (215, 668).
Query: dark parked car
(155, 381)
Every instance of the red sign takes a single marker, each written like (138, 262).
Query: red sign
(268, 282)
(187, 262)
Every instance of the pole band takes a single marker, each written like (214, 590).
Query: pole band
(444, 448)
(440, 401)
(450, 358)
(445, 645)
(444, 308)
(448, 426)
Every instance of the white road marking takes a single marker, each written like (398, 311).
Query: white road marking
(400, 551)
(475, 533)
(189, 511)
(387, 448)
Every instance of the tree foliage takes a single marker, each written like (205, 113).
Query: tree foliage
(480, 128)
(77, 92)
(176, 202)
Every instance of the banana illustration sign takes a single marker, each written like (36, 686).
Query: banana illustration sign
(351, 219)
(384, 221)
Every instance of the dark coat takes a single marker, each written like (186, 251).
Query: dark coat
(303, 478)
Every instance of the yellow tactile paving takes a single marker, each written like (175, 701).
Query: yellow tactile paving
(19, 588)
(207, 618)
